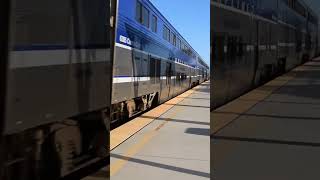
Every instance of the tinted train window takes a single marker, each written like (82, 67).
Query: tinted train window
(236, 4)
(240, 47)
(139, 12)
(152, 69)
(179, 43)
(218, 47)
(137, 65)
(166, 33)
(142, 14)
(173, 39)
(92, 33)
(44, 24)
(178, 76)
(144, 67)
(168, 72)
(154, 23)
(228, 2)
(145, 16)
(40, 22)
(158, 70)
(182, 46)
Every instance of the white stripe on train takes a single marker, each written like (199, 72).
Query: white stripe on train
(117, 80)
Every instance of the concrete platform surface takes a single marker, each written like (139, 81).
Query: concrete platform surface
(277, 136)
(175, 145)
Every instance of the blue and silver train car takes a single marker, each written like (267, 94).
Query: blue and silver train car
(253, 41)
(152, 61)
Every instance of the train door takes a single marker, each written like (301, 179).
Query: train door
(166, 81)
(168, 77)
(220, 73)
(256, 54)
(190, 74)
(136, 71)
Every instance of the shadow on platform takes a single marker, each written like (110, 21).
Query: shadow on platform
(198, 131)
(186, 105)
(163, 166)
(177, 120)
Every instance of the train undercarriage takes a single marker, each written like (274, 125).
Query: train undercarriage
(122, 111)
(56, 150)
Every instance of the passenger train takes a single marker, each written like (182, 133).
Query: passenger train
(152, 61)
(254, 41)
(70, 67)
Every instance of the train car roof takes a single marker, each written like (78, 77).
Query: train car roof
(151, 6)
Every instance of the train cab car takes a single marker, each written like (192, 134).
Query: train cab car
(152, 62)
(254, 41)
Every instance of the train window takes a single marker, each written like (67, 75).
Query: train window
(218, 49)
(168, 72)
(240, 47)
(142, 14)
(173, 39)
(182, 47)
(298, 41)
(179, 43)
(154, 24)
(186, 49)
(248, 8)
(243, 5)
(145, 17)
(41, 24)
(298, 7)
(144, 66)
(178, 74)
(92, 31)
(158, 70)
(228, 2)
(189, 51)
(152, 69)
(139, 12)
(166, 33)
(137, 64)
(236, 3)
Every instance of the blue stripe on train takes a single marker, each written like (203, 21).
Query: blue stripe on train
(57, 47)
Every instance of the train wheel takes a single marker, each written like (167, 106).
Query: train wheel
(60, 149)
(131, 107)
(101, 144)
(153, 100)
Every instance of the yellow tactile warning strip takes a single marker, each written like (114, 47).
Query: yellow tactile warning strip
(122, 133)
(118, 164)
(231, 111)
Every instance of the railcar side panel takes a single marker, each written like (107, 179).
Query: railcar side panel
(254, 41)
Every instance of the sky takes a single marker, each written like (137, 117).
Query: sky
(191, 18)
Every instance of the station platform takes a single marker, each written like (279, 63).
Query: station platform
(272, 132)
(170, 141)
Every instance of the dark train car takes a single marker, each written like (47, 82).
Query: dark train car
(56, 79)
(254, 41)
(152, 61)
